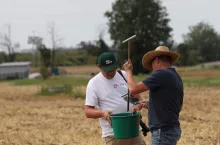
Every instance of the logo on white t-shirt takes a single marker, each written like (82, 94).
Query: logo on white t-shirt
(115, 85)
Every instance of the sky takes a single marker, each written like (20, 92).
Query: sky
(83, 20)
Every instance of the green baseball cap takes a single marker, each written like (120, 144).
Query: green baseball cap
(107, 61)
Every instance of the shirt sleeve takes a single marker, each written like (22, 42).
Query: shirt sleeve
(154, 81)
(91, 96)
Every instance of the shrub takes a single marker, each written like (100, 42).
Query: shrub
(53, 90)
(78, 93)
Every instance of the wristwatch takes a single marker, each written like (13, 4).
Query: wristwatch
(137, 102)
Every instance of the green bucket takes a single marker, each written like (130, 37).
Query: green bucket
(125, 125)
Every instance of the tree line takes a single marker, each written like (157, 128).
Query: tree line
(149, 20)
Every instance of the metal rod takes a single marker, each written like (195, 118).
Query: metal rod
(129, 38)
(129, 45)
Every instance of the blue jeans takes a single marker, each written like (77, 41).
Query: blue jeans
(166, 137)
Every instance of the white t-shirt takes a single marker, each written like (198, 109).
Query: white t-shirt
(107, 95)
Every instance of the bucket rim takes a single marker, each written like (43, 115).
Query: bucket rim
(129, 114)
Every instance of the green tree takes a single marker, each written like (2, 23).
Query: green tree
(35, 41)
(183, 50)
(97, 48)
(6, 43)
(45, 60)
(203, 40)
(187, 57)
(2, 57)
(147, 19)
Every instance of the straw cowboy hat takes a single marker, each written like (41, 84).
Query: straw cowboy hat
(159, 51)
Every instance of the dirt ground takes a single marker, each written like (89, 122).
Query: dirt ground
(60, 120)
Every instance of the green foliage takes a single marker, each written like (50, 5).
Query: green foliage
(44, 71)
(9, 57)
(145, 18)
(25, 57)
(63, 58)
(96, 49)
(45, 55)
(2, 58)
(45, 61)
(184, 51)
(203, 43)
(188, 57)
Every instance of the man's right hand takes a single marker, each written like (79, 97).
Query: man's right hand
(106, 116)
(128, 66)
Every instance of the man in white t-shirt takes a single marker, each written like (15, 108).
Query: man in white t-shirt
(106, 91)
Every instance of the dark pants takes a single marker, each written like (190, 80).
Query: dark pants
(166, 137)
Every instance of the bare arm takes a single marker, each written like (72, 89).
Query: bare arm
(91, 112)
(134, 87)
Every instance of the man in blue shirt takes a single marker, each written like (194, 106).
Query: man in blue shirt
(165, 94)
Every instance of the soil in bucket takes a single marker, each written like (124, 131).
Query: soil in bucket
(125, 125)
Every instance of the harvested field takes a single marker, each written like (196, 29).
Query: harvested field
(60, 120)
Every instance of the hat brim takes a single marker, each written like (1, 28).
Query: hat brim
(148, 58)
(110, 67)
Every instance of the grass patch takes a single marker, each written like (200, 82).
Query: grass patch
(78, 93)
(199, 82)
(78, 81)
(27, 82)
(191, 81)
(57, 85)
(47, 90)
(55, 80)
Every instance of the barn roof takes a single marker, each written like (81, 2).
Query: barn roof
(8, 64)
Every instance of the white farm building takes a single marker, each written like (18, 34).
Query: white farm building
(14, 70)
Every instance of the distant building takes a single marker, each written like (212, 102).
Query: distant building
(14, 70)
